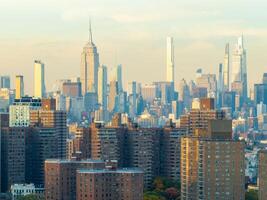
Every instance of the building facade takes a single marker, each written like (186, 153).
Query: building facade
(39, 79)
(53, 119)
(102, 87)
(98, 184)
(212, 164)
(19, 86)
(60, 177)
(19, 112)
(262, 174)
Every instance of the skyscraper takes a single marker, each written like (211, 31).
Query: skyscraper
(211, 168)
(264, 78)
(220, 80)
(5, 82)
(184, 93)
(39, 79)
(170, 60)
(119, 78)
(132, 91)
(220, 86)
(226, 68)
(89, 66)
(239, 69)
(113, 96)
(102, 87)
(260, 92)
(19, 85)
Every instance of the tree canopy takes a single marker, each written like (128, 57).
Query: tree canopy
(252, 195)
(30, 197)
(163, 189)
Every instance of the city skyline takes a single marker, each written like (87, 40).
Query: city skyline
(133, 100)
(60, 47)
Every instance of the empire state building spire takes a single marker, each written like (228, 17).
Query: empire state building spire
(89, 65)
(90, 32)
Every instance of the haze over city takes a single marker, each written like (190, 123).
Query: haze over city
(131, 33)
(133, 100)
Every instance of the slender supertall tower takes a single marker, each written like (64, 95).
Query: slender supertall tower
(239, 71)
(89, 66)
(170, 60)
(39, 79)
(102, 87)
(220, 79)
(226, 68)
(220, 86)
(118, 77)
(19, 85)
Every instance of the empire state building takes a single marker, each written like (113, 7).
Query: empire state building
(89, 66)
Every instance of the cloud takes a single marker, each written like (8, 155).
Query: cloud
(154, 15)
(127, 18)
(77, 14)
(217, 30)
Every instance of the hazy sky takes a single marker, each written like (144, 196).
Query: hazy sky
(130, 32)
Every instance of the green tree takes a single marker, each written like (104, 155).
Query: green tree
(153, 196)
(163, 189)
(158, 184)
(252, 195)
(30, 197)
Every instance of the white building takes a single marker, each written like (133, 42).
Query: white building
(170, 60)
(39, 79)
(19, 112)
(18, 190)
(239, 67)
